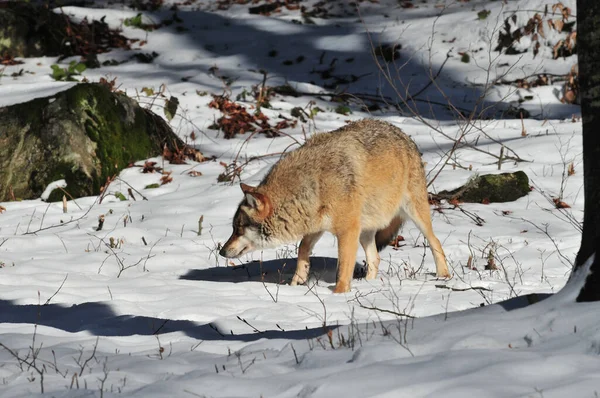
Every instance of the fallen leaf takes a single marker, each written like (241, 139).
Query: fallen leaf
(171, 107)
(150, 167)
(454, 202)
(557, 47)
(166, 178)
(396, 241)
(558, 25)
(560, 204)
(569, 97)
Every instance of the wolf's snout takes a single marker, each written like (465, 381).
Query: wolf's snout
(231, 248)
(226, 250)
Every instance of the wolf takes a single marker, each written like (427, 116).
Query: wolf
(359, 182)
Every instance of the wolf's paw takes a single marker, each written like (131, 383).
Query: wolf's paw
(371, 274)
(341, 288)
(297, 280)
(445, 275)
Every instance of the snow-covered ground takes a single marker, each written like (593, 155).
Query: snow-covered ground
(145, 307)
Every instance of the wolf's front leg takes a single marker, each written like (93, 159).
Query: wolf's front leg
(303, 266)
(347, 247)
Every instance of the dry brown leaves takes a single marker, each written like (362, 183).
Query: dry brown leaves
(231, 172)
(180, 155)
(534, 28)
(225, 4)
(571, 88)
(560, 204)
(454, 202)
(395, 243)
(110, 84)
(94, 37)
(177, 156)
(150, 167)
(9, 60)
(539, 80)
(237, 120)
(166, 177)
(560, 7)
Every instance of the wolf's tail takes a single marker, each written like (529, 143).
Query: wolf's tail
(384, 236)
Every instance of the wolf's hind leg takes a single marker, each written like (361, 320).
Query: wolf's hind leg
(303, 267)
(367, 241)
(418, 211)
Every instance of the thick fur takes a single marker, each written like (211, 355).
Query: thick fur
(384, 236)
(358, 182)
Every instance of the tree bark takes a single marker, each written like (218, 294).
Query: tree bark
(588, 53)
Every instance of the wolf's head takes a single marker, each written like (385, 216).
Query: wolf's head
(248, 232)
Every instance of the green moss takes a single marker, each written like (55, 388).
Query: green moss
(119, 132)
(504, 187)
(5, 42)
(83, 135)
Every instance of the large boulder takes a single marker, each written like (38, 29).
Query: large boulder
(84, 135)
(489, 188)
(34, 30)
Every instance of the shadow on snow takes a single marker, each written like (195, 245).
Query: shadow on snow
(339, 57)
(271, 271)
(100, 320)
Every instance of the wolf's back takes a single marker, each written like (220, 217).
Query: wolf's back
(343, 152)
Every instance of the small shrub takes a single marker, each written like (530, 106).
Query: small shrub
(134, 22)
(66, 74)
(343, 110)
(483, 14)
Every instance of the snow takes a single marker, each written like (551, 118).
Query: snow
(51, 187)
(161, 314)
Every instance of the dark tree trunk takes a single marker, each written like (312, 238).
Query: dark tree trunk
(588, 52)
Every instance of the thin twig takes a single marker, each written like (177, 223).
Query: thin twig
(396, 313)
(58, 290)
(413, 96)
(129, 185)
(459, 289)
(62, 224)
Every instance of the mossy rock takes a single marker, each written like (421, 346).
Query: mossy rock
(34, 30)
(27, 30)
(84, 135)
(489, 188)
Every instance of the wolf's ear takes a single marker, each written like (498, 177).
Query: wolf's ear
(253, 200)
(260, 203)
(247, 188)
(257, 201)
